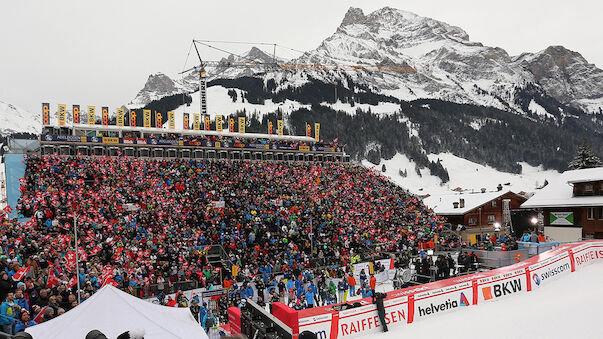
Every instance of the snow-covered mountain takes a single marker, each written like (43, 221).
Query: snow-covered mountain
(14, 119)
(447, 64)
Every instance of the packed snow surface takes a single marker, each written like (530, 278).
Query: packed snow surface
(464, 174)
(567, 308)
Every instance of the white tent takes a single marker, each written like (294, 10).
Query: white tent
(113, 312)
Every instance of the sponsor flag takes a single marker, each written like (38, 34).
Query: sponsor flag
(219, 122)
(317, 131)
(241, 124)
(207, 123)
(279, 126)
(120, 117)
(171, 120)
(185, 121)
(132, 119)
(561, 218)
(21, 273)
(269, 127)
(91, 115)
(147, 118)
(231, 124)
(46, 113)
(62, 114)
(105, 111)
(158, 120)
(308, 130)
(196, 121)
(76, 114)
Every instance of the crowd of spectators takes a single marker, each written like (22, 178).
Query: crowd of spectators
(146, 222)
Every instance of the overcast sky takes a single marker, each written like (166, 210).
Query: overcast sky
(101, 52)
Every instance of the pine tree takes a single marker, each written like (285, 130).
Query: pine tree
(585, 158)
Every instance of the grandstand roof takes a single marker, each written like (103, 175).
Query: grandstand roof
(560, 191)
(191, 132)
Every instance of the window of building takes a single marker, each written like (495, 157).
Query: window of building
(493, 203)
(588, 187)
(600, 213)
(491, 219)
(590, 213)
(472, 221)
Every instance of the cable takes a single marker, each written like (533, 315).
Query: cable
(190, 48)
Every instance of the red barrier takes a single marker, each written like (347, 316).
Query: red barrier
(405, 306)
(416, 303)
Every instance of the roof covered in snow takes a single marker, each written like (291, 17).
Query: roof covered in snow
(560, 191)
(443, 204)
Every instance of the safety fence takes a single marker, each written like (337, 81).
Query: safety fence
(405, 306)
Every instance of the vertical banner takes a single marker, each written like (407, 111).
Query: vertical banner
(119, 121)
(46, 113)
(185, 122)
(269, 127)
(105, 111)
(171, 120)
(317, 131)
(241, 124)
(159, 120)
(207, 123)
(196, 122)
(132, 119)
(219, 122)
(76, 114)
(147, 117)
(202, 90)
(91, 115)
(62, 114)
(308, 130)
(279, 126)
(231, 125)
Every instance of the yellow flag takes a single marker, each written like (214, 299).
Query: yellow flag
(147, 118)
(62, 114)
(172, 120)
(120, 117)
(241, 124)
(91, 115)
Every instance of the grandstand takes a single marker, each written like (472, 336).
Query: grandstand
(160, 210)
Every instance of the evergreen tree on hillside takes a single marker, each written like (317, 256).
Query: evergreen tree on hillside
(585, 158)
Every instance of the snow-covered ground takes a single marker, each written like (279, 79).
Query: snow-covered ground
(218, 102)
(567, 308)
(15, 119)
(463, 173)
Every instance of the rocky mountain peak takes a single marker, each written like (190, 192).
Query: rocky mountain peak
(353, 16)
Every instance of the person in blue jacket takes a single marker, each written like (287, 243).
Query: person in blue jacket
(209, 321)
(366, 291)
(247, 291)
(202, 312)
(310, 298)
(24, 322)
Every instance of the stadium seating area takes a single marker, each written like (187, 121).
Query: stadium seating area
(145, 221)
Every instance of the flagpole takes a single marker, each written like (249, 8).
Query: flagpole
(77, 259)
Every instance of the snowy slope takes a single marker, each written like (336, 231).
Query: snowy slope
(218, 102)
(567, 308)
(15, 119)
(463, 173)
